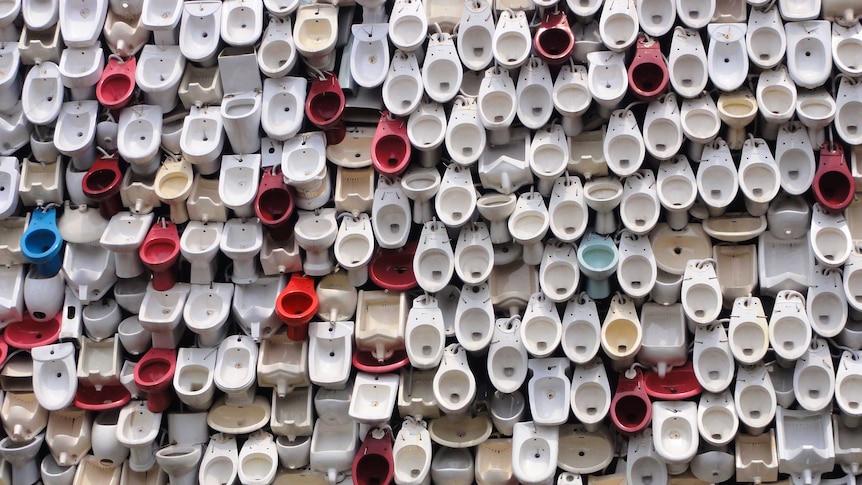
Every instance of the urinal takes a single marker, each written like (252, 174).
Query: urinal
(23, 417)
(505, 167)
(535, 449)
(193, 378)
(475, 35)
(717, 177)
(572, 97)
(82, 24)
(512, 41)
(640, 207)
(687, 63)
(154, 375)
(369, 56)
(42, 94)
(507, 409)
(607, 77)
(846, 449)
(277, 56)
(330, 369)
(675, 433)
(597, 257)
(41, 243)
(416, 394)
(712, 359)
(754, 397)
(408, 24)
(453, 465)
(283, 364)
(333, 447)
(535, 103)
(748, 332)
(75, 131)
(21, 455)
(847, 122)
(282, 112)
(808, 46)
(292, 418)
(493, 462)
(89, 271)
(253, 309)
(805, 445)
(54, 377)
(378, 330)
(756, 458)
(15, 129)
(38, 184)
(465, 137)
(200, 31)
(354, 189)
(618, 25)
(403, 88)
(140, 136)
(716, 418)
(12, 287)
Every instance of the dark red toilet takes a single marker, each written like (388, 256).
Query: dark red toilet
(554, 41)
(275, 205)
(373, 463)
(102, 183)
(834, 186)
(324, 107)
(631, 409)
(648, 75)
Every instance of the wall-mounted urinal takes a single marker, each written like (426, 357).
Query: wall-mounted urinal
(549, 390)
(598, 257)
(42, 94)
(808, 46)
(789, 327)
(687, 63)
(23, 417)
(572, 97)
(200, 31)
(607, 77)
(804, 444)
(618, 25)
(829, 237)
(416, 394)
(826, 302)
(712, 359)
(535, 449)
(282, 364)
(656, 18)
(54, 377)
(675, 433)
(789, 218)
(590, 394)
(475, 35)
(235, 369)
(52, 473)
(136, 429)
(12, 299)
(775, 272)
(622, 334)
(534, 94)
(333, 447)
(727, 59)
(253, 309)
(505, 167)
(756, 458)
(507, 356)
(796, 10)
(354, 189)
(754, 397)
(748, 332)
(200, 86)
(717, 177)
(81, 25)
(847, 121)
(814, 377)
(75, 132)
(847, 451)
(716, 418)
(736, 265)
(493, 462)
(292, 414)
(665, 341)
(623, 146)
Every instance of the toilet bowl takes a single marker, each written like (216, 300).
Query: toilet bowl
(241, 115)
(77, 117)
(161, 311)
(354, 246)
(54, 474)
(420, 185)
(677, 189)
(434, 262)
(81, 25)
(475, 35)
(776, 99)
(581, 329)
(38, 15)
(42, 94)
(675, 433)
(554, 41)
(558, 273)
(712, 359)
(199, 245)
(497, 103)
(453, 465)
(528, 225)
(815, 110)
(535, 88)
(833, 185)
(282, 364)
(727, 59)
(597, 257)
(331, 369)
(640, 207)
(140, 136)
(789, 329)
(535, 449)
(202, 138)
(54, 377)
(315, 32)
(160, 252)
(814, 377)
(512, 41)
(333, 447)
(292, 417)
(737, 110)
(607, 77)
(258, 459)
(688, 63)
(403, 88)
(549, 157)
(21, 455)
(572, 97)
(759, 176)
(241, 241)
(756, 458)
(80, 70)
(507, 356)
(648, 73)
(10, 82)
(717, 178)
(541, 328)
(717, 419)
(765, 38)
(193, 378)
(465, 137)
(656, 18)
(424, 335)
(701, 293)
(794, 10)
(316, 232)
(180, 462)
(829, 237)
(603, 195)
(102, 184)
(643, 464)
(123, 237)
(137, 428)
(220, 460)
(474, 318)
(390, 148)
(241, 22)
(41, 243)
(846, 121)
(618, 25)
(696, 14)
(845, 41)
(277, 56)
(808, 45)
(12, 285)
(238, 183)
(748, 332)
(622, 334)
(590, 394)
(662, 129)
(235, 372)
(154, 375)
(411, 453)
(408, 24)
(567, 209)
(454, 384)
(117, 83)
(283, 101)
(754, 397)
(23, 417)
(159, 76)
(804, 444)
(253, 309)
(826, 302)
(369, 57)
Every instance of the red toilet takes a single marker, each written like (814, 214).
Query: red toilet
(364, 361)
(28, 333)
(392, 269)
(648, 76)
(117, 83)
(102, 183)
(834, 186)
(554, 41)
(108, 397)
(296, 305)
(275, 205)
(631, 409)
(373, 463)
(324, 106)
(160, 253)
(390, 148)
(677, 384)
(154, 374)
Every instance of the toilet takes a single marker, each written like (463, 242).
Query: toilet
(717, 419)
(403, 88)
(640, 207)
(833, 185)
(241, 241)
(534, 94)
(465, 137)
(202, 138)
(354, 246)
(795, 10)
(567, 209)
(789, 329)
(507, 356)
(643, 463)
(700, 123)
(453, 465)
(10, 82)
(581, 329)
(712, 360)
(80, 70)
(454, 384)
(590, 394)
(42, 94)
(535, 449)
(199, 245)
(475, 39)
(618, 25)
(200, 31)
(277, 54)
(154, 375)
(331, 369)
(283, 101)
(845, 41)
(814, 377)
(572, 97)
(549, 381)
(238, 183)
(765, 38)
(826, 302)
(333, 446)
(804, 444)
(390, 214)
(559, 274)
(808, 46)
(408, 24)
(193, 378)
(675, 433)
(624, 146)
(789, 218)
(41, 243)
(54, 375)
(607, 77)
(241, 105)
(754, 398)
(434, 262)
(369, 55)
(220, 460)
(424, 335)
(603, 195)
(292, 417)
(829, 237)
(512, 41)
(688, 64)
(258, 459)
(21, 455)
(759, 176)
(696, 14)
(235, 374)
(506, 410)
(727, 59)
(390, 147)
(411, 453)
(315, 32)
(161, 70)
(82, 25)
(676, 187)
(549, 156)
(554, 41)
(77, 117)
(776, 99)
(123, 237)
(848, 98)
(598, 257)
(663, 134)
(748, 333)
(140, 136)
(717, 178)
(316, 232)
(701, 294)
(656, 18)
(815, 109)
(528, 224)
(137, 428)
(241, 22)
(115, 87)
(160, 252)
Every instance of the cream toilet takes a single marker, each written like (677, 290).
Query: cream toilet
(42, 94)
(200, 31)
(476, 35)
(688, 63)
(765, 39)
(808, 46)
(759, 176)
(81, 25)
(590, 394)
(622, 334)
(354, 189)
(607, 77)
(193, 378)
(624, 146)
(283, 107)
(315, 32)
(159, 72)
(474, 318)
(403, 88)
(54, 377)
(717, 419)
(235, 373)
(535, 449)
(277, 55)
(137, 428)
(727, 59)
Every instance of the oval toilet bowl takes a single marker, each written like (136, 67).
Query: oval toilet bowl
(581, 329)
(631, 409)
(554, 40)
(102, 183)
(759, 176)
(648, 73)
(497, 100)
(618, 25)
(847, 122)
(374, 459)
(241, 22)
(662, 129)
(567, 209)
(180, 462)
(74, 118)
(701, 295)
(713, 360)
(622, 334)
(677, 189)
(656, 17)
(795, 158)
(829, 237)
(789, 330)
(814, 378)
(325, 104)
(696, 14)
(200, 30)
(81, 27)
(332, 369)
(277, 54)
(845, 42)
(137, 427)
(748, 333)
(454, 384)
(474, 318)
(258, 459)
(193, 379)
(776, 98)
(717, 419)
(549, 156)
(390, 215)
(603, 195)
(808, 45)
(624, 146)
(507, 356)
(424, 335)
(643, 462)
(590, 394)
(465, 138)
(700, 123)
(535, 449)
(534, 94)
(765, 38)
(845, 383)
(316, 30)
(408, 25)
(754, 397)
(572, 97)
(559, 274)
(283, 101)
(390, 148)
(403, 88)
(674, 426)
(42, 94)
(235, 372)
(115, 87)
(512, 40)
(159, 252)
(241, 114)
(426, 129)
(727, 58)
(640, 206)
(815, 110)
(688, 63)
(826, 302)
(354, 246)
(832, 184)
(296, 305)
(717, 179)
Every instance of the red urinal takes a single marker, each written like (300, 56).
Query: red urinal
(648, 76)
(373, 464)
(102, 183)
(678, 383)
(324, 106)
(365, 362)
(554, 41)
(390, 148)
(160, 253)
(296, 305)
(392, 269)
(631, 409)
(109, 397)
(117, 83)
(275, 205)
(28, 333)
(834, 186)
(154, 374)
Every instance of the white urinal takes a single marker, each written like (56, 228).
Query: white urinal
(716, 418)
(441, 72)
(200, 30)
(607, 78)
(276, 55)
(535, 449)
(701, 294)
(220, 460)
(235, 369)
(506, 410)
(804, 444)
(332, 342)
(687, 63)
(505, 167)
(665, 341)
(403, 88)
(534, 94)
(42, 94)
(369, 57)
(765, 40)
(202, 138)
(826, 303)
(662, 129)
(696, 14)
(434, 262)
(241, 22)
(252, 306)
(677, 190)
(140, 136)
(411, 453)
(675, 433)
(465, 136)
(333, 446)
(591, 394)
(193, 378)
(81, 25)
(727, 59)
(618, 25)
(89, 270)
(55, 378)
(456, 200)
(712, 358)
(15, 130)
(814, 377)
(808, 46)
(354, 189)
(640, 207)
(424, 335)
(829, 237)
(848, 122)
(408, 25)
(796, 10)
(775, 274)
(158, 74)
(624, 146)
(75, 131)
(656, 17)
(748, 332)
(426, 129)
(643, 463)
(754, 397)
(846, 42)
(507, 356)
(475, 35)
(390, 214)
(474, 254)
(283, 107)
(717, 178)
(512, 41)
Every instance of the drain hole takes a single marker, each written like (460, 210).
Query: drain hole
(508, 371)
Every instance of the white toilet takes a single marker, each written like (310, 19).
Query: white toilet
(795, 158)
(829, 237)
(354, 246)
(662, 129)
(193, 378)
(55, 379)
(816, 109)
(541, 328)
(434, 262)
(717, 419)
(497, 103)
(202, 138)
(181, 459)
(42, 94)
(369, 55)
(804, 444)
(717, 178)
(475, 39)
(534, 94)
(814, 377)
(808, 47)
(158, 73)
(624, 146)
(21, 455)
(454, 384)
(712, 359)
(826, 302)
(789, 329)
(845, 43)
(474, 318)
(590, 394)
(465, 135)
(277, 55)
(140, 136)
(581, 329)
(727, 58)
(316, 232)
(252, 306)
(643, 463)
(332, 342)
(75, 131)
(81, 25)
(412, 453)
(241, 22)
(754, 398)
(512, 40)
(701, 295)
(408, 25)
(315, 32)
(390, 214)
(656, 17)
(283, 107)
(607, 77)
(235, 370)
(333, 446)
(403, 88)
(847, 121)
(241, 241)
(640, 206)
(748, 333)
(572, 97)
(675, 433)
(618, 25)
(535, 449)
(137, 428)
(200, 31)
(207, 312)
(258, 459)
(687, 63)
(765, 39)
